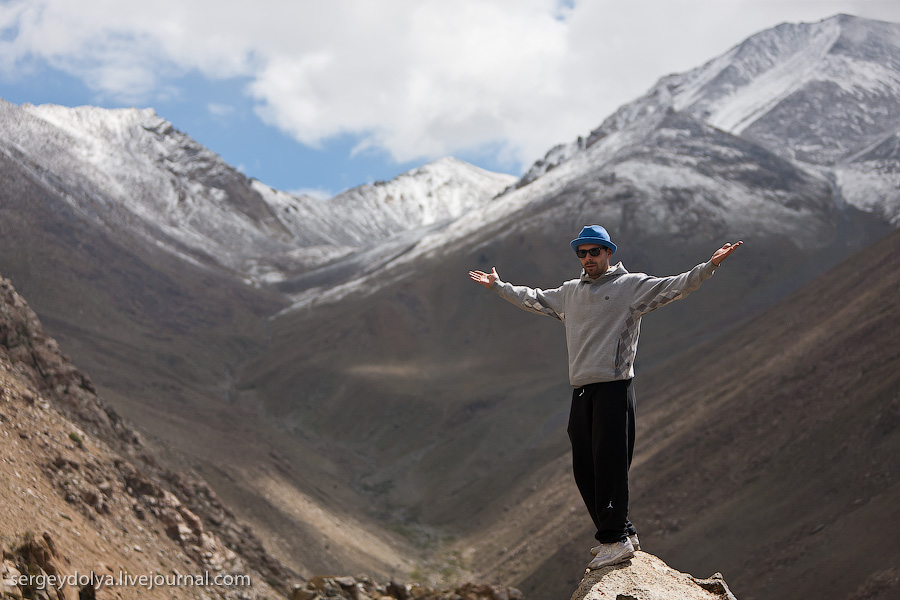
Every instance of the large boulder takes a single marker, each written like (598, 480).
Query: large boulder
(645, 577)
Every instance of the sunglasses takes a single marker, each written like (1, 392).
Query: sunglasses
(592, 252)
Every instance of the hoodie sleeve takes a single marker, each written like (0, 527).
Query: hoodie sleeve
(649, 294)
(550, 303)
(654, 292)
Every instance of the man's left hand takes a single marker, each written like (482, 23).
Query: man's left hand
(724, 252)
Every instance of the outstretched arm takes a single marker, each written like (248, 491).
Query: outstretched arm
(485, 279)
(724, 252)
(549, 303)
(655, 292)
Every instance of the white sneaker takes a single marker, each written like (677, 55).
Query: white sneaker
(631, 538)
(611, 554)
(635, 542)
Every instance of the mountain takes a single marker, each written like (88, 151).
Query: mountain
(161, 335)
(821, 94)
(359, 402)
(138, 246)
(131, 171)
(459, 402)
(782, 136)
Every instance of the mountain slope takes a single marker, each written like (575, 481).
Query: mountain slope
(161, 338)
(800, 425)
(769, 453)
(83, 495)
(90, 511)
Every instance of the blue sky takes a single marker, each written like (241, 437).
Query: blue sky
(322, 96)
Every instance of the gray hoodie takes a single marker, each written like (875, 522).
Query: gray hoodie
(603, 315)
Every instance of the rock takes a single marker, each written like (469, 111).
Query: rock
(106, 489)
(9, 576)
(40, 558)
(301, 593)
(398, 591)
(716, 584)
(646, 577)
(473, 591)
(52, 372)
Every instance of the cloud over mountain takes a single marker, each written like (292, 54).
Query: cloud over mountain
(412, 79)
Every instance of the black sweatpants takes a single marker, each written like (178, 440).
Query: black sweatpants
(601, 429)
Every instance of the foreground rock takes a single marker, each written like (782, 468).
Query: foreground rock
(646, 577)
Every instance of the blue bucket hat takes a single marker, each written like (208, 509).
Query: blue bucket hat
(593, 234)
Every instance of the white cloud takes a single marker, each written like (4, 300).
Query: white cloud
(220, 110)
(416, 78)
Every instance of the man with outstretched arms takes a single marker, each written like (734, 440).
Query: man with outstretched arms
(602, 312)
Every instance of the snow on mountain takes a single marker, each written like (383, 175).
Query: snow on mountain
(427, 196)
(817, 93)
(683, 180)
(438, 192)
(739, 87)
(132, 172)
(870, 179)
(753, 143)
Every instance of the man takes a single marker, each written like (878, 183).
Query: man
(602, 313)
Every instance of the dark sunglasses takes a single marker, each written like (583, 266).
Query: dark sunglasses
(592, 252)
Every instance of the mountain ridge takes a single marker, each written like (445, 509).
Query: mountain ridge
(849, 81)
(147, 178)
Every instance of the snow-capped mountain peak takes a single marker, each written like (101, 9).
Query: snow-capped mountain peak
(740, 87)
(133, 172)
(437, 192)
(821, 93)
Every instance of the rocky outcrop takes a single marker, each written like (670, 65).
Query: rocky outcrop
(38, 358)
(645, 577)
(38, 558)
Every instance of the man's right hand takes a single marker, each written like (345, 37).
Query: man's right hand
(485, 279)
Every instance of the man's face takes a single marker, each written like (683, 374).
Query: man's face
(595, 266)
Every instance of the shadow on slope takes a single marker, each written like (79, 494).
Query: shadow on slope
(770, 451)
